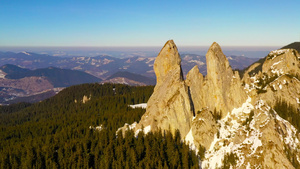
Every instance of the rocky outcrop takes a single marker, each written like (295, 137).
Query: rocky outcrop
(276, 135)
(222, 115)
(204, 128)
(223, 85)
(167, 60)
(282, 61)
(195, 82)
(170, 106)
(250, 71)
(221, 89)
(256, 135)
(278, 78)
(285, 87)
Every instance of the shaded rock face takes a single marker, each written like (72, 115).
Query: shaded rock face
(195, 82)
(169, 107)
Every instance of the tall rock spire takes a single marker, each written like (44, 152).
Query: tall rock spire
(169, 107)
(217, 64)
(167, 60)
(221, 89)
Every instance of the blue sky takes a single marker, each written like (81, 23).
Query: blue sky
(148, 23)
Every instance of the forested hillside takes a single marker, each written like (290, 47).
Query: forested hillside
(61, 132)
(294, 45)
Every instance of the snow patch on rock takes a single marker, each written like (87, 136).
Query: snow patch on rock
(229, 128)
(146, 130)
(190, 140)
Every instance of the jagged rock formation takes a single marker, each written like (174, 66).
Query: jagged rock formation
(195, 81)
(256, 135)
(280, 68)
(169, 107)
(227, 116)
(167, 60)
(221, 89)
(204, 128)
(282, 61)
(284, 87)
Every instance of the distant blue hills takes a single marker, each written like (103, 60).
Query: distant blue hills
(58, 77)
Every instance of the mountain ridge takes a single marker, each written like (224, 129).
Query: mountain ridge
(132, 76)
(103, 66)
(294, 45)
(58, 77)
(19, 84)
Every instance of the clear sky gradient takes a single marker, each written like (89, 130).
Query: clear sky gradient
(148, 23)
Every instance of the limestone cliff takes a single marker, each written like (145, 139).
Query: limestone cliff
(195, 82)
(221, 89)
(167, 60)
(170, 106)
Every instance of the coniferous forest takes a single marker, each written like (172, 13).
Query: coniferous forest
(61, 132)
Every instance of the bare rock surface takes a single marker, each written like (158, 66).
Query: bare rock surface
(221, 89)
(169, 107)
(282, 61)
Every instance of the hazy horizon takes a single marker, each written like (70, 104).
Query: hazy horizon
(146, 51)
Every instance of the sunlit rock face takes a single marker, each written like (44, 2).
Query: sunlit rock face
(170, 106)
(221, 89)
(227, 117)
(282, 61)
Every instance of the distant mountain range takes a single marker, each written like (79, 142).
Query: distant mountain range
(20, 84)
(104, 66)
(56, 76)
(31, 77)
